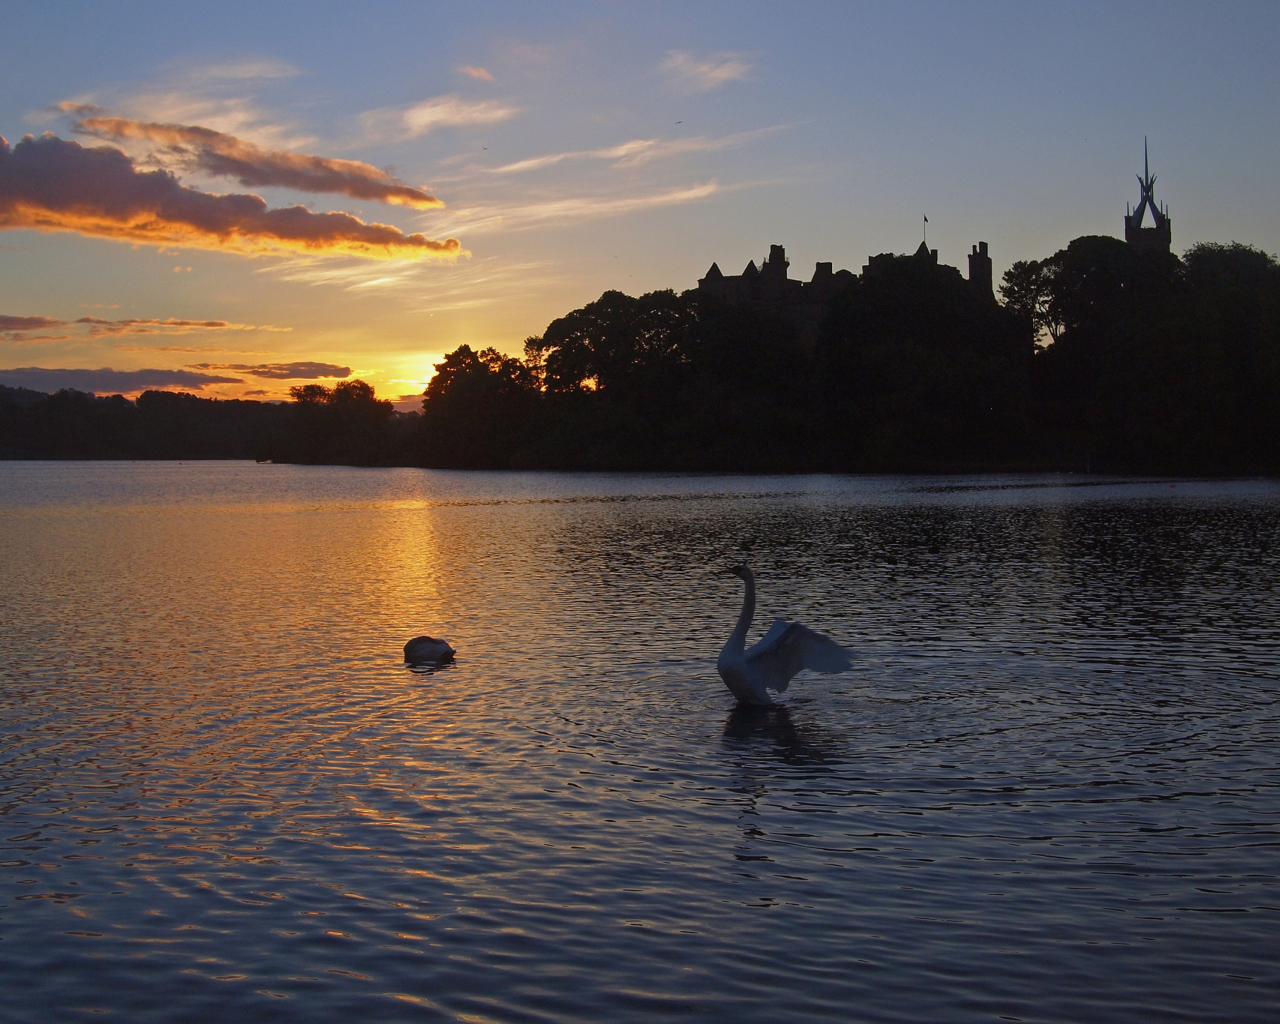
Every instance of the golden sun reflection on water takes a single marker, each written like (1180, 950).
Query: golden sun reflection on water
(219, 779)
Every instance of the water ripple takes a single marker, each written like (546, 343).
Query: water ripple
(1048, 790)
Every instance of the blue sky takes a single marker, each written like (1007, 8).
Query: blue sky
(580, 147)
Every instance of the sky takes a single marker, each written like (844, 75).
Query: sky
(234, 199)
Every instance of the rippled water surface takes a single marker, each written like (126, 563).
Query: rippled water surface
(1049, 790)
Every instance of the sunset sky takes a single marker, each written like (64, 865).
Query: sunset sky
(233, 199)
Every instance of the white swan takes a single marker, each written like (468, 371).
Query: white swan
(788, 648)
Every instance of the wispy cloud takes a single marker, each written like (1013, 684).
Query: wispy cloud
(280, 371)
(217, 95)
(196, 148)
(24, 336)
(98, 327)
(350, 275)
(416, 119)
(53, 185)
(184, 349)
(474, 284)
(514, 217)
(241, 70)
(695, 74)
(18, 328)
(479, 73)
(483, 283)
(640, 151)
(28, 323)
(107, 380)
(202, 103)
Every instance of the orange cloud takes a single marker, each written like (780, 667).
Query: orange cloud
(226, 156)
(480, 73)
(50, 184)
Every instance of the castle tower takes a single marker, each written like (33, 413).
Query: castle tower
(775, 267)
(1154, 239)
(980, 271)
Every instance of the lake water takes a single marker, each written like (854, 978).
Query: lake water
(1048, 791)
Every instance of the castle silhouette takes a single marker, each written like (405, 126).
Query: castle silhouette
(769, 284)
(806, 301)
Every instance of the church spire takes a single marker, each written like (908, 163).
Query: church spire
(1152, 239)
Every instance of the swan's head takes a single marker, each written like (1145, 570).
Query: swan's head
(739, 570)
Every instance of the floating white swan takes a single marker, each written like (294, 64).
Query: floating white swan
(427, 650)
(788, 648)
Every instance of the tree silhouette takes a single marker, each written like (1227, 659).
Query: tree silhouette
(1146, 363)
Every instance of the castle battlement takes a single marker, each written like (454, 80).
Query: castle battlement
(770, 285)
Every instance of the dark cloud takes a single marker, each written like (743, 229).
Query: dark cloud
(28, 323)
(280, 371)
(204, 149)
(108, 381)
(168, 322)
(99, 326)
(54, 185)
(24, 336)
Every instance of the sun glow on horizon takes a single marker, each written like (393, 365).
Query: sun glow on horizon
(467, 185)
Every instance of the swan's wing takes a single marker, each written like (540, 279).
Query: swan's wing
(788, 648)
(771, 637)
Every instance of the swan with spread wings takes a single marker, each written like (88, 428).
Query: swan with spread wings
(786, 649)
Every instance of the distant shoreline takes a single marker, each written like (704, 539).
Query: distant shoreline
(1085, 479)
(1154, 365)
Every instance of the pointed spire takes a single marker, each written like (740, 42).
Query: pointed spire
(1157, 236)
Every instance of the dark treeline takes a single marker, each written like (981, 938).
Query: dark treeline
(1098, 358)
(1147, 363)
(342, 424)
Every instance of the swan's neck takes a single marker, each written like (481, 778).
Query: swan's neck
(738, 638)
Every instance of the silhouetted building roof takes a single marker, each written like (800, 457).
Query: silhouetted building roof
(1153, 239)
(925, 253)
(770, 285)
